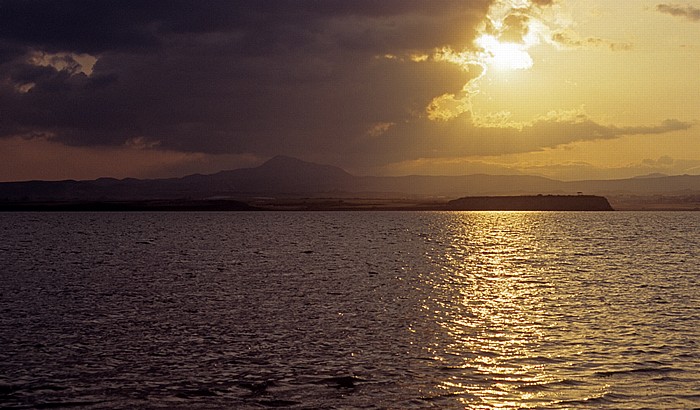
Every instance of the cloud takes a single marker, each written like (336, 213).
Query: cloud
(231, 77)
(72, 63)
(379, 128)
(560, 128)
(568, 39)
(689, 12)
(515, 28)
(447, 107)
(465, 136)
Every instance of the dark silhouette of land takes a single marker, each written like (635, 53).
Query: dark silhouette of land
(531, 203)
(494, 203)
(127, 206)
(289, 183)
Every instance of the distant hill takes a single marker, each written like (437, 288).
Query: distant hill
(280, 175)
(670, 185)
(289, 177)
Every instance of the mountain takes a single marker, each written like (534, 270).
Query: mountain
(289, 177)
(279, 175)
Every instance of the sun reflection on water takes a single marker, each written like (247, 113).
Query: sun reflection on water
(488, 300)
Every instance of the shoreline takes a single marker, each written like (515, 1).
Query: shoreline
(319, 204)
(481, 203)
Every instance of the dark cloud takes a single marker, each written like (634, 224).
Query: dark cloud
(80, 26)
(261, 77)
(86, 26)
(689, 12)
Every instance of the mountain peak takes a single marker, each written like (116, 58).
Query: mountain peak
(291, 165)
(278, 160)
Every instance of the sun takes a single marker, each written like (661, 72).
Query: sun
(504, 56)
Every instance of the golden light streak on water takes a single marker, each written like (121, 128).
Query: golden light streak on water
(492, 310)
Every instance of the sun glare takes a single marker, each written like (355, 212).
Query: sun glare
(505, 56)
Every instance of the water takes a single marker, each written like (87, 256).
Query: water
(350, 310)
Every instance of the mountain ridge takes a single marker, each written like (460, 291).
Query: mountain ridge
(291, 177)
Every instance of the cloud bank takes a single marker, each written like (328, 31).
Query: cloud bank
(689, 12)
(231, 76)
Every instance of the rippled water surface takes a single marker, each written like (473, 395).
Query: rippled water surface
(350, 310)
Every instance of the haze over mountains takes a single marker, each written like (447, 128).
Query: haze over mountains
(289, 177)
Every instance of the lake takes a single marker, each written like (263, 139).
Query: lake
(351, 310)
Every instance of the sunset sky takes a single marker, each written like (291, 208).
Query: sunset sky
(591, 89)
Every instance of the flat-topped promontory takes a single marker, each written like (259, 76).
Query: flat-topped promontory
(531, 203)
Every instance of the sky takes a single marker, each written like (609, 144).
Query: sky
(572, 90)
